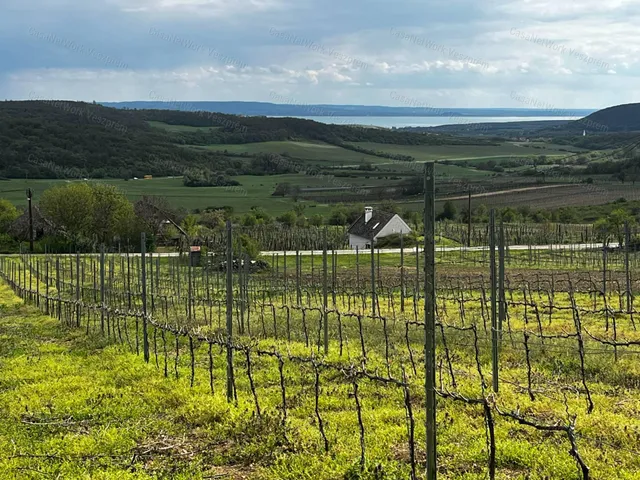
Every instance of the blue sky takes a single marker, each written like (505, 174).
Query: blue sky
(441, 53)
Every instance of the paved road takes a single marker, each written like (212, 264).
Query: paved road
(292, 253)
(575, 246)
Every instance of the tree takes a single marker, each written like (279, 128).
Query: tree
(316, 220)
(70, 209)
(288, 218)
(212, 219)
(612, 226)
(8, 213)
(113, 214)
(449, 211)
(509, 215)
(247, 246)
(97, 213)
(153, 211)
(390, 206)
(282, 190)
(190, 226)
(249, 220)
(299, 209)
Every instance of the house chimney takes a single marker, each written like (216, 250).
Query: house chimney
(368, 213)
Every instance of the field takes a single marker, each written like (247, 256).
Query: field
(323, 367)
(317, 152)
(426, 153)
(180, 128)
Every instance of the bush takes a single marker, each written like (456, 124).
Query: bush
(393, 241)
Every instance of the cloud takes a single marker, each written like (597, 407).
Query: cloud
(449, 53)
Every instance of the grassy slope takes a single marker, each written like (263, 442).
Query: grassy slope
(466, 152)
(74, 407)
(313, 151)
(180, 128)
(255, 190)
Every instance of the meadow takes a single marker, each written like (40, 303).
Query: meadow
(430, 153)
(322, 367)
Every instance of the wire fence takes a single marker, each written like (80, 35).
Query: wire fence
(317, 333)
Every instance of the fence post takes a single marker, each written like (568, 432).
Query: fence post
(357, 269)
(469, 219)
(430, 317)
(373, 280)
(401, 272)
(501, 294)
(627, 241)
(78, 289)
(284, 273)
(59, 306)
(325, 293)
(298, 274)
(102, 305)
(190, 285)
(229, 312)
(492, 279)
(604, 284)
(143, 261)
(46, 286)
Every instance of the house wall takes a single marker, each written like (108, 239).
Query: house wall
(356, 241)
(395, 225)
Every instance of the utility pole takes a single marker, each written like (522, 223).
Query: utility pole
(29, 197)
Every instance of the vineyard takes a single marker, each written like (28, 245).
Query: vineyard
(271, 238)
(536, 371)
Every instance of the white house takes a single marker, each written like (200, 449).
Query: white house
(372, 226)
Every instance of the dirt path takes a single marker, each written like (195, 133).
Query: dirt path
(501, 192)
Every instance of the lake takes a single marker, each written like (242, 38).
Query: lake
(398, 122)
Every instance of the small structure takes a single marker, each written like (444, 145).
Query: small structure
(19, 229)
(372, 226)
(148, 177)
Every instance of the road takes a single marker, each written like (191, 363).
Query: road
(574, 246)
(408, 250)
(292, 253)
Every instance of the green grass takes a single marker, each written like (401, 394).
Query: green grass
(76, 406)
(317, 152)
(180, 128)
(425, 153)
(254, 190)
(257, 192)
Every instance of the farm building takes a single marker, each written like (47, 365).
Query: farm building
(372, 226)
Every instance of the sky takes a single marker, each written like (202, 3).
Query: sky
(548, 54)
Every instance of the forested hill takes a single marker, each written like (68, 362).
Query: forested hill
(621, 118)
(611, 127)
(61, 139)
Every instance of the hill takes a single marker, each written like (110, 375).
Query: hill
(60, 139)
(611, 127)
(616, 119)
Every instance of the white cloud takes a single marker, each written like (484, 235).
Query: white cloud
(578, 54)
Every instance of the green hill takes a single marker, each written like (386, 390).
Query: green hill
(60, 139)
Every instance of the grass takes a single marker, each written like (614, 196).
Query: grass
(425, 153)
(254, 191)
(316, 152)
(180, 128)
(77, 406)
